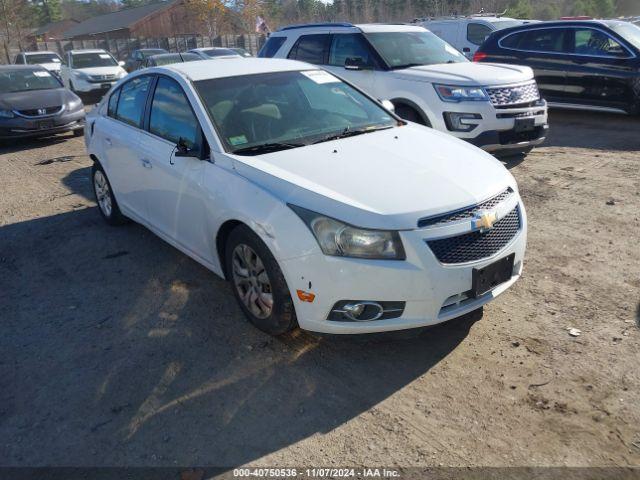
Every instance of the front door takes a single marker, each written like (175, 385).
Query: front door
(175, 199)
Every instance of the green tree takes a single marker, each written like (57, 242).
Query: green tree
(520, 9)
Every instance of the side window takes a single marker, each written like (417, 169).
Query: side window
(133, 96)
(513, 40)
(351, 45)
(311, 49)
(113, 103)
(594, 42)
(171, 115)
(272, 46)
(543, 40)
(477, 33)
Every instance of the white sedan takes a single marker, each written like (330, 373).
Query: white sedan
(321, 207)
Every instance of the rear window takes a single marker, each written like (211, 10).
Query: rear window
(311, 49)
(271, 47)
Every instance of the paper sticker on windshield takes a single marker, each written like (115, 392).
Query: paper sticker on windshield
(105, 55)
(239, 140)
(320, 76)
(41, 74)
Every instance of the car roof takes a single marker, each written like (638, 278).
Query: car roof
(202, 49)
(236, 66)
(21, 67)
(348, 27)
(36, 52)
(89, 50)
(166, 55)
(563, 23)
(473, 19)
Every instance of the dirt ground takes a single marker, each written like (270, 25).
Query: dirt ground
(116, 349)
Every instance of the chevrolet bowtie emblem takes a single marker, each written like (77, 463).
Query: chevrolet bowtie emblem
(484, 220)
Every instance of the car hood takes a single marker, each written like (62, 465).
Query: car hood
(466, 73)
(386, 179)
(53, 66)
(35, 99)
(113, 70)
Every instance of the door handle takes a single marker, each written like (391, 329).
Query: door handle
(146, 163)
(108, 141)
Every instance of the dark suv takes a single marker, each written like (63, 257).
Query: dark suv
(587, 64)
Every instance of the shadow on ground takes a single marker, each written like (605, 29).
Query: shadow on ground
(119, 350)
(594, 130)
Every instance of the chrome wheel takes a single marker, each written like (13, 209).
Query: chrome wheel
(251, 281)
(103, 193)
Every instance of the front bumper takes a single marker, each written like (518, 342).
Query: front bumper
(434, 292)
(495, 129)
(20, 127)
(84, 86)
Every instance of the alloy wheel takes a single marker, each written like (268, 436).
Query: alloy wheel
(103, 193)
(251, 281)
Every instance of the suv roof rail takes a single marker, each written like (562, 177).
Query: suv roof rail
(310, 25)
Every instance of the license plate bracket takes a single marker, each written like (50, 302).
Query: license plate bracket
(106, 85)
(45, 124)
(486, 278)
(524, 124)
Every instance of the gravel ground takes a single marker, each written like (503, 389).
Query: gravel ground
(116, 349)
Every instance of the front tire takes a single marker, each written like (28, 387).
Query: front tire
(105, 199)
(258, 283)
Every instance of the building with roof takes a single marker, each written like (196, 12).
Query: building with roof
(51, 31)
(162, 19)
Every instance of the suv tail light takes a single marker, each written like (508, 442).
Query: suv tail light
(479, 56)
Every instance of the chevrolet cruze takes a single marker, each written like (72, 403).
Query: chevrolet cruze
(320, 206)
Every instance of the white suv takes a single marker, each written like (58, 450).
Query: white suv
(86, 71)
(495, 107)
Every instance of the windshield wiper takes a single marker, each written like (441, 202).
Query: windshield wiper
(267, 147)
(347, 132)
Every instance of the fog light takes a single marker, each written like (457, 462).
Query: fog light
(365, 310)
(460, 122)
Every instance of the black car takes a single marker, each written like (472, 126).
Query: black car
(586, 64)
(33, 103)
(167, 58)
(137, 57)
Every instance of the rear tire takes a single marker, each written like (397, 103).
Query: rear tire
(105, 199)
(258, 283)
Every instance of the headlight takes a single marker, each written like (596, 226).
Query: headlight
(75, 104)
(339, 239)
(122, 73)
(452, 93)
(6, 114)
(82, 75)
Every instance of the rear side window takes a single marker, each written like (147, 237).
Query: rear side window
(132, 99)
(477, 33)
(171, 115)
(311, 49)
(538, 40)
(272, 46)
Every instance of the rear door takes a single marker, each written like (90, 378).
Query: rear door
(544, 50)
(120, 135)
(600, 69)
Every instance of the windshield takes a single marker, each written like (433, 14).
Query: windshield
(166, 59)
(287, 109)
(628, 31)
(42, 58)
(408, 49)
(219, 52)
(88, 60)
(148, 53)
(26, 80)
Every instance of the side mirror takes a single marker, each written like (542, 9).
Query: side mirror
(183, 150)
(354, 63)
(121, 63)
(388, 104)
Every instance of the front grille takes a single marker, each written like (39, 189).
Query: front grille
(39, 112)
(465, 213)
(474, 246)
(102, 78)
(514, 95)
